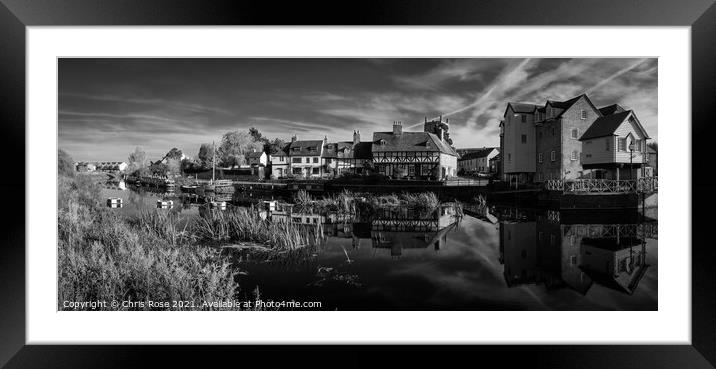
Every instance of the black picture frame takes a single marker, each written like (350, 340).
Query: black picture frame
(16, 15)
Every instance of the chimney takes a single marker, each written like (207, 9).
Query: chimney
(397, 128)
(356, 137)
(325, 139)
(440, 133)
(293, 138)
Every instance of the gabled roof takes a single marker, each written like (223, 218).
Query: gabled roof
(281, 151)
(565, 105)
(611, 109)
(520, 107)
(362, 150)
(256, 154)
(347, 150)
(410, 141)
(303, 146)
(481, 153)
(607, 125)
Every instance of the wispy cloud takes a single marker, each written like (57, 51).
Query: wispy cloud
(168, 102)
(153, 101)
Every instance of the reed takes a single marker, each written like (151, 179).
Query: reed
(103, 257)
(423, 200)
(244, 225)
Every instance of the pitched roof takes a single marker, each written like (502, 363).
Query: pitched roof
(280, 151)
(564, 104)
(362, 150)
(611, 109)
(347, 150)
(521, 107)
(606, 125)
(300, 148)
(410, 141)
(480, 153)
(650, 150)
(256, 154)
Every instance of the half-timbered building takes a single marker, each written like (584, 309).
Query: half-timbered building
(413, 155)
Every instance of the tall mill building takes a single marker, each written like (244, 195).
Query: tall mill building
(570, 139)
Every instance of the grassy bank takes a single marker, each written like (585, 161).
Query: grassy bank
(153, 257)
(348, 202)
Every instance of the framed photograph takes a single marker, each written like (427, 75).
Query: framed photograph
(482, 175)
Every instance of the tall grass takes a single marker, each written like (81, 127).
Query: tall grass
(347, 202)
(423, 200)
(246, 226)
(102, 256)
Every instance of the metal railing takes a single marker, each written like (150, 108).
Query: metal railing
(646, 184)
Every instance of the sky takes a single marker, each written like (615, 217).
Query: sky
(107, 107)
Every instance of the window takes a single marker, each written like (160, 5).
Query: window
(296, 160)
(539, 157)
(315, 160)
(573, 259)
(583, 114)
(540, 134)
(552, 131)
(308, 160)
(552, 156)
(524, 138)
(524, 118)
(607, 142)
(316, 170)
(622, 144)
(575, 155)
(575, 133)
(509, 158)
(297, 171)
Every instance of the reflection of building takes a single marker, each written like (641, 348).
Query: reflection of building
(556, 255)
(618, 263)
(401, 228)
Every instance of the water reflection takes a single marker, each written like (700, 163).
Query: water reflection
(567, 253)
(457, 257)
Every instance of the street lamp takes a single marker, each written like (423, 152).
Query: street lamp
(631, 160)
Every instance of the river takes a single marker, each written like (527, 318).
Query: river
(481, 258)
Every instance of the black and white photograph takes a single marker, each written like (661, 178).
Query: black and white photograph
(381, 184)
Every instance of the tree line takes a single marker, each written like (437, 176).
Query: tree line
(231, 152)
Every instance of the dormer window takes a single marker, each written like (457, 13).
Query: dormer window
(382, 142)
(583, 114)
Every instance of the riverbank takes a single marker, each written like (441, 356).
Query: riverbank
(155, 256)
